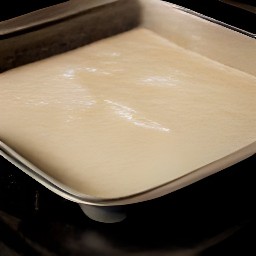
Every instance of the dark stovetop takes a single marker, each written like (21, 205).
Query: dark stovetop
(214, 216)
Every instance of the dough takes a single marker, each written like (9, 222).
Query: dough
(126, 114)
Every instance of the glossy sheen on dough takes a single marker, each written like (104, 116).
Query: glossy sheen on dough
(126, 114)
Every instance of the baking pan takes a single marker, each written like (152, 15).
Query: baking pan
(78, 23)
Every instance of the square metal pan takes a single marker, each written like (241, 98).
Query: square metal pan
(74, 24)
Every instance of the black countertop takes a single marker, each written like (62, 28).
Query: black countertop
(214, 216)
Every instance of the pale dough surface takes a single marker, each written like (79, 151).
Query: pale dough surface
(126, 114)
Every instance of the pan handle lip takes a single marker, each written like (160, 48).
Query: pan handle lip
(66, 10)
(210, 19)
